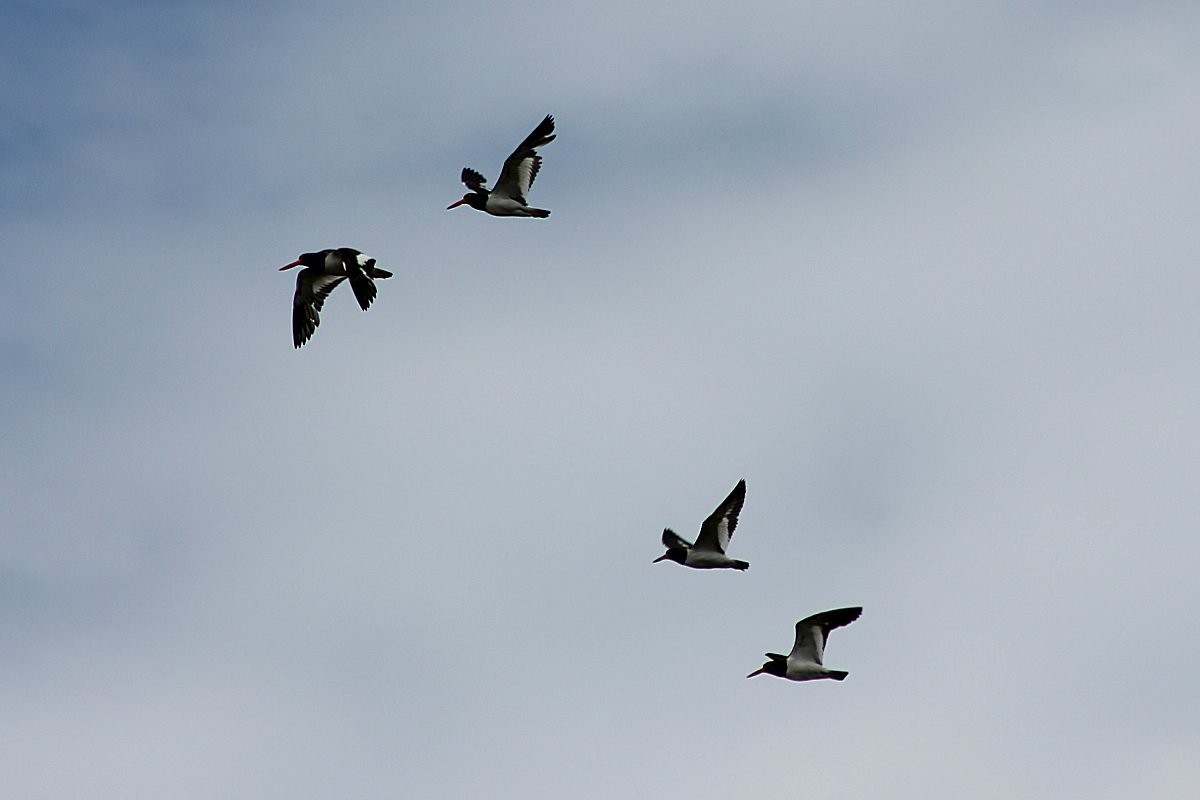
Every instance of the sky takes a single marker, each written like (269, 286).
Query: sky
(923, 274)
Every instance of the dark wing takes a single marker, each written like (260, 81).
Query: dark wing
(672, 539)
(521, 168)
(718, 529)
(474, 181)
(312, 287)
(360, 269)
(812, 632)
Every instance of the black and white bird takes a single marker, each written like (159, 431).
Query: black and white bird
(709, 550)
(806, 662)
(508, 198)
(323, 271)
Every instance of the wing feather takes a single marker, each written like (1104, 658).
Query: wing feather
(360, 269)
(312, 287)
(473, 180)
(672, 539)
(718, 529)
(522, 167)
(812, 633)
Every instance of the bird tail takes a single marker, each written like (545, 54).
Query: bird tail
(838, 675)
(538, 212)
(742, 565)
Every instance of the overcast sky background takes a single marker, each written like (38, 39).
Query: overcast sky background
(924, 275)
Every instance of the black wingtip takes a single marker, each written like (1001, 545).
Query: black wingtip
(839, 617)
(844, 616)
(365, 293)
(304, 325)
(541, 135)
(364, 288)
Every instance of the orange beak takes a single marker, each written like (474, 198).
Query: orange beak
(289, 266)
(457, 204)
(758, 671)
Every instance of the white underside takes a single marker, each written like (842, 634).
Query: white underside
(806, 671)
(706, 559)
(506, 207)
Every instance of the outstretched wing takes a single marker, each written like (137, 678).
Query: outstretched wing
(312, 287)
(672, 539)
(812, 633)
(521, 168)
(718, 529)
(474, 181)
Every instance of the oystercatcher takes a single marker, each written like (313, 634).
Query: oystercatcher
(323, 271)
(806, 661)
(709, 550)
(520, 170)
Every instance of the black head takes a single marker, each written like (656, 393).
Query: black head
(676, 554)
(308, 260)
(314, 259)
(476, 200)
(777, 666)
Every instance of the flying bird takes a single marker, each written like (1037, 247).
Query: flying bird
(806, 662)
(323, 271)
(508, 199)
(709, 550)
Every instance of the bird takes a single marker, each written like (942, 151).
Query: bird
(709, 550)
(806, 662)
(508, 198)
(323, 271)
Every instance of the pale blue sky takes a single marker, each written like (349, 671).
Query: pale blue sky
(924, 276)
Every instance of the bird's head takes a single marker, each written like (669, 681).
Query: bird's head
(476, 200)
(676, 554)
(306, 260)
(776, 665)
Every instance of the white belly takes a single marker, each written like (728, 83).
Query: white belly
(705, 559)
(505, 207)
(806, 671)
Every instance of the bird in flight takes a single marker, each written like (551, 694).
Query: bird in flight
(508, 198)
(323, 271)
(806, 662)
(709, 550)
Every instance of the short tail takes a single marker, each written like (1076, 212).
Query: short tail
(742, 565)
(538, 212)
(838, 675)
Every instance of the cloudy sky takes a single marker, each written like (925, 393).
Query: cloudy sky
(924, 276)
